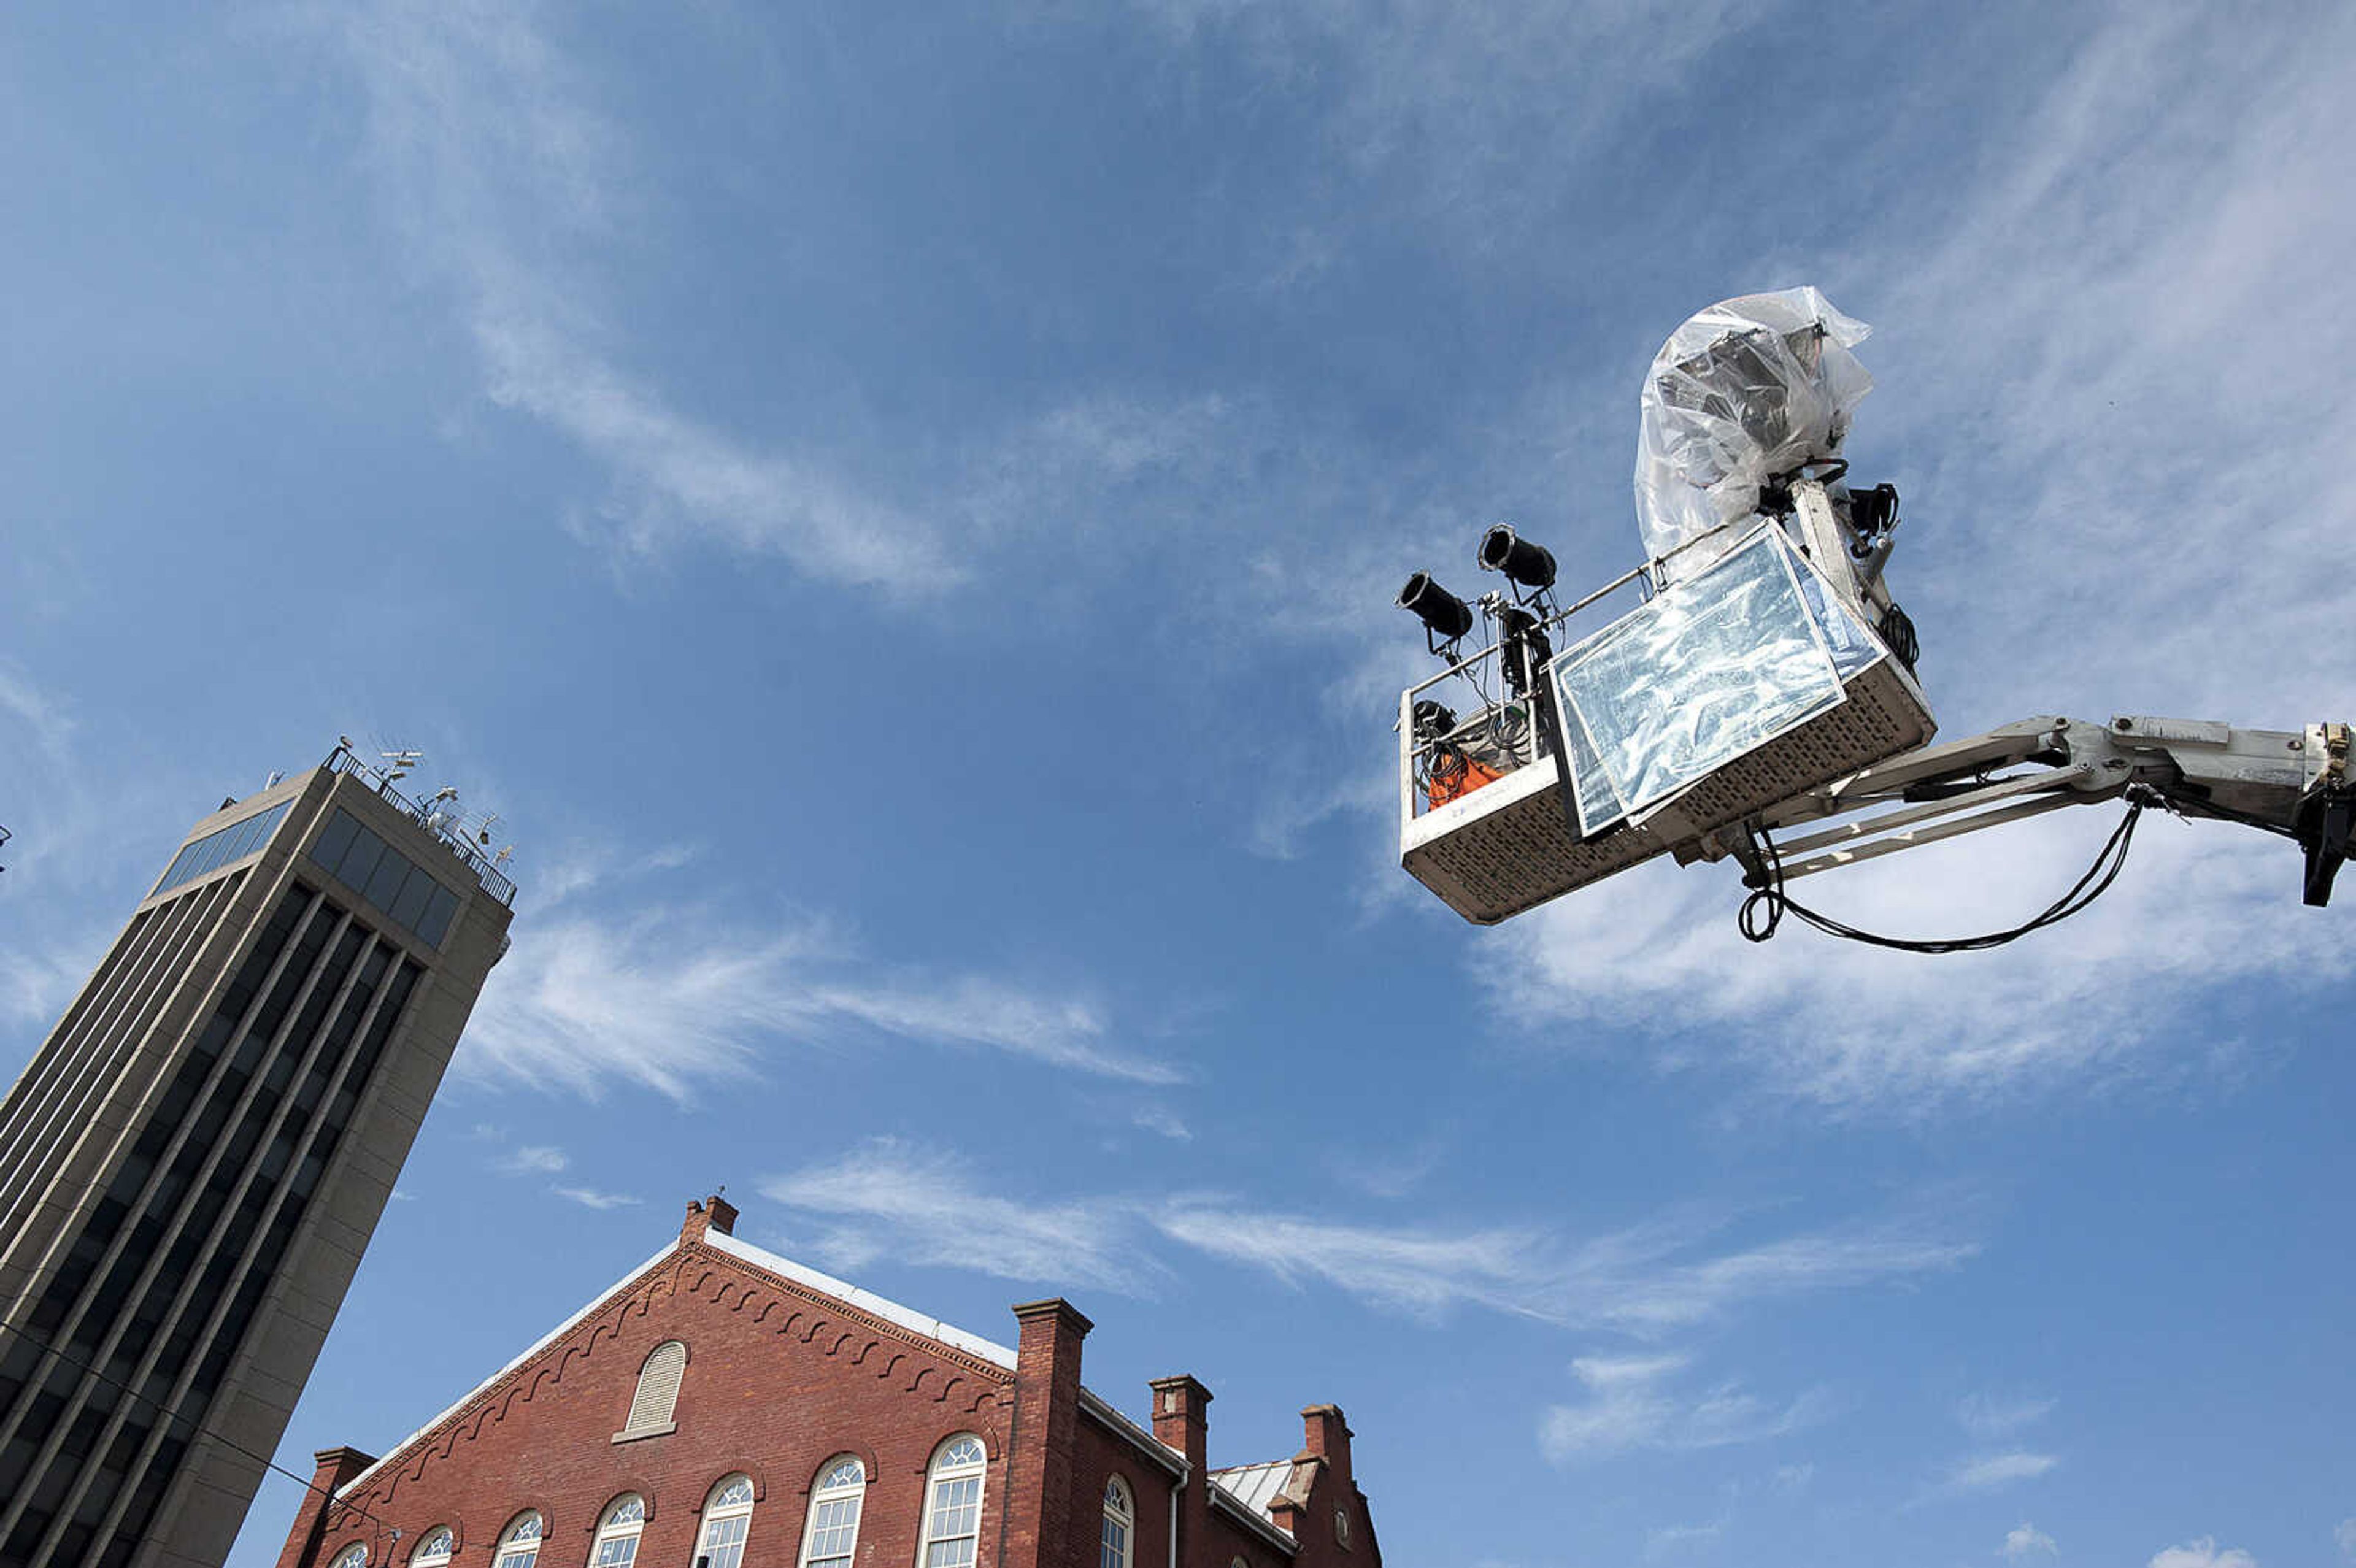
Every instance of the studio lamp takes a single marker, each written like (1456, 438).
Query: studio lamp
(1445, 618)
(1526, 565)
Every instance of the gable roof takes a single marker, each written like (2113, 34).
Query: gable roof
(542, 1343)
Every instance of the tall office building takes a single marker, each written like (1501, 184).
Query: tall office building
(192, 1165)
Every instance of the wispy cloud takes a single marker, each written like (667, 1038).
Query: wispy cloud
(1991, 1416)
(2203, 1553)
(670, 999)
(1987, 1472)
(501, 174)
(917, 1206)
(534, 1159)
(589, 1198)
(1649, 1279)
(2026, 1540)
(1664, 1539)
(1633, 1404)
(892, 1197)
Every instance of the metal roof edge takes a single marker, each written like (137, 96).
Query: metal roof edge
(1266, 1527)
(867, 1301)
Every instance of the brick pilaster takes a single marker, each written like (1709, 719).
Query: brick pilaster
(336, 1466)
(1182, 1419)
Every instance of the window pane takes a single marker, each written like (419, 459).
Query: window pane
(724, 1541)
(410, 905)
(391, 873)
(434, 923)
(334, 839)
(360, 861)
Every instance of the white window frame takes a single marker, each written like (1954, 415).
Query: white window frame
(624, 1518)
(428, 1555)
(939, 1475)
(352, 1556)
(1117, 1542)
(716, 1513)
(831, 1489)
(518, 1550)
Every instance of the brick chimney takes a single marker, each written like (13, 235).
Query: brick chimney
(1181, 1418)
(1045, 1431)
(1325, 1436)
(714, 1213)
(336, 1466)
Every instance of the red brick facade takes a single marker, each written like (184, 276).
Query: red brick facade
(784, 1374)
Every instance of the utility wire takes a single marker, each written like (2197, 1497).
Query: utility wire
(198, 1426)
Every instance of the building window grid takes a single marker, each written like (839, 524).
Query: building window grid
(520, 1543)
(437, 1547)
(283, 956)
(153, 1456)
(617, 1536)
(836, 1503)
(246, 1247)
(953, 1505)
(727, 1518)
(352, 1556)
(1118, 1518)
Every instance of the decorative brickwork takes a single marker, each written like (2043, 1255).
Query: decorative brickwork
(783, 1376)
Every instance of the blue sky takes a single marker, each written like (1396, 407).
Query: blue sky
(899, 508)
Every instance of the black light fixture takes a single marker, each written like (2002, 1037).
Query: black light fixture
(1444, 616)
(1525, 564)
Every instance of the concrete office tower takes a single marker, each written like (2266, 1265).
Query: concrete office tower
(193, 1163)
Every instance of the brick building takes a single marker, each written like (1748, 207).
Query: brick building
(724, 1407)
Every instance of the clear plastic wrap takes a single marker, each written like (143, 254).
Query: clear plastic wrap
(1709, 669)
(1746, 389)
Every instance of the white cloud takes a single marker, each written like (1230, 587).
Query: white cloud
(1647, 1279)
(1991, 1416)
(589, 1198)
(499, 173)
(898, 1199)
(2026, 1540)
(670, 1000)
(534, 1159)
(1987, 1472)
(923, 1208)
(2344, 1536)
(1665, 1539)
(1631, 1404)
(2203, 1553)
(1162, 1121)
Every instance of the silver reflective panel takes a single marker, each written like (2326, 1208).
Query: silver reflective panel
(1711, 668)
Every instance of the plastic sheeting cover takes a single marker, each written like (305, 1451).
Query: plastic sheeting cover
(1711, 668)
(1747, 388)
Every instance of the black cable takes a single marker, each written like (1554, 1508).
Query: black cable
(2184, 800)
(1763, 911)
(1898, 631)
(173, 1417)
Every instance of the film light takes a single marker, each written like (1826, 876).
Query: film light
(1444, 616)
(1525, 564)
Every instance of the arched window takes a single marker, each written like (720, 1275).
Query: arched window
(727, 1515)
(657, 1392)
(953, 1504)
(1118, 1516)
(352, 1556)
(519, 1545)
(618, 1533)
(835, 1503)
(433, 1549)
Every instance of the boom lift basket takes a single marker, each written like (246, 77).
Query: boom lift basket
(1753, 680)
